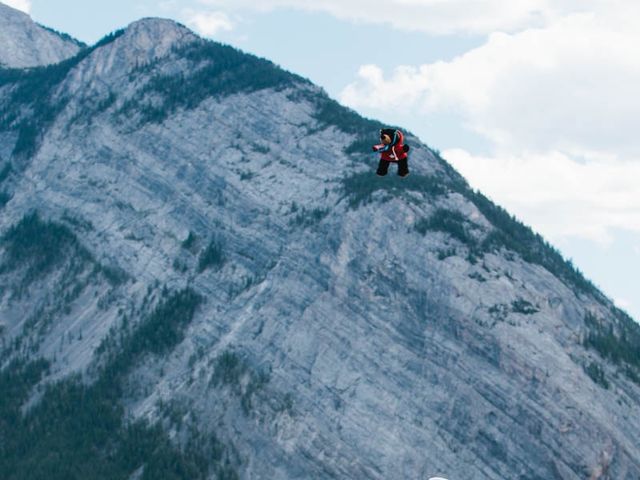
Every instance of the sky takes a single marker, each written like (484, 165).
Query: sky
(533, 101)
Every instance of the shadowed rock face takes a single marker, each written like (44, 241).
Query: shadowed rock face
(349, 326)
(27, 44)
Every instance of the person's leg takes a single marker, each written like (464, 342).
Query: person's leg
(383, 168)
(403, 167)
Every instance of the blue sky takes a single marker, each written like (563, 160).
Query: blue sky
(533, 101)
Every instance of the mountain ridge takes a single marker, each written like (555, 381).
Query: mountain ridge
(241, 275)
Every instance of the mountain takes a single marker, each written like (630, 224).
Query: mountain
(27, 44)
(202, 277)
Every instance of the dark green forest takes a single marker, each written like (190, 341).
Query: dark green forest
(216, 70)
(78, 430)
(32, 105)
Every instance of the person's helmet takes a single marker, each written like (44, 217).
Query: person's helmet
(388, 131)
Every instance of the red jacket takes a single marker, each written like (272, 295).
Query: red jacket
(394, 151)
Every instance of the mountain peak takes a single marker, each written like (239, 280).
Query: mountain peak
(139, 43)
(156, 36)
(24, 43)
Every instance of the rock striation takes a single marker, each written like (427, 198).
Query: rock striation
(206, 232)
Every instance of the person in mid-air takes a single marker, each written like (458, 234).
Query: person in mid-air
(392, 149)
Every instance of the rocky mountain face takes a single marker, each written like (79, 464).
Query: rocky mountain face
(202, 277)
(24, 43)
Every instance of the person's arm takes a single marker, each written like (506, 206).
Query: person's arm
(380, 147)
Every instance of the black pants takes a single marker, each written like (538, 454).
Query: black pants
(403, 167)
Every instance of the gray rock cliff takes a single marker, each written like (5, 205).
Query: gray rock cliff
(346, 326)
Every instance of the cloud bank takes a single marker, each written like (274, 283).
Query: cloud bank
(566, 86)
(207, 23)
(431, 16)
(561, 196)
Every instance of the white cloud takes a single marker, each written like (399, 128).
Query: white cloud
(568, 86)
(208, 23)
(432, 16)
(623, 303)
(24, 5)
(408, 84)
(556, 194)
